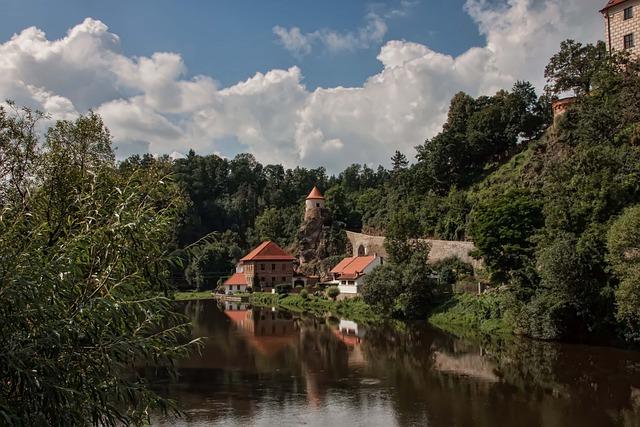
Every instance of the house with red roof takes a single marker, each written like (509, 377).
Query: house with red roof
(263, 268)
(350, 273)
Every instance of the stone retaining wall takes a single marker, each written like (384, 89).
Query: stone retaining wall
(363, 244)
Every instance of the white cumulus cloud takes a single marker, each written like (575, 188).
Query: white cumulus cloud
(150, 105)
(300, 44)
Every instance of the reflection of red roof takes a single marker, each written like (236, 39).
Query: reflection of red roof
(315, 194)
(268, 251)
(350, 340)
(612, 3)
(236, 279)
(269, 345)
(351, 268)
(236, 316)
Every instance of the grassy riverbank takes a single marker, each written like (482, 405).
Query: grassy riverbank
(193, 295)
(463, 315)
(354, 309)
(466, 314)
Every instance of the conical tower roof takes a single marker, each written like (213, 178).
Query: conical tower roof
(315, 194)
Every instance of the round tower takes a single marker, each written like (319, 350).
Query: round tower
(314, 205)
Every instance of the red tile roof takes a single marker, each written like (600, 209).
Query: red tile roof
(268, 251)
(237, 279)
(315, 194)
(612, 3)
(351, 268)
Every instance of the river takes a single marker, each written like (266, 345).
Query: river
(264, 367)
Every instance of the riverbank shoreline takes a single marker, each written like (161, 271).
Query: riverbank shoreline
(462, 315)
(354, 308)
(466, 314)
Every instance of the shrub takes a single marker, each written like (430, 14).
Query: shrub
(333, 292)
(282, 289)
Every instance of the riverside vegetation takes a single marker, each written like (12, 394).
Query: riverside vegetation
(92, 247)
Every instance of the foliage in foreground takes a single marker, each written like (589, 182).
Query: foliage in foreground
(83, 268)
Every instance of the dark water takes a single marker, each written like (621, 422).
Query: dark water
(262, 367)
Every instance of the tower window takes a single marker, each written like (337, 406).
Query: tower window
(628, 13)
(628, 41)
(317, 205)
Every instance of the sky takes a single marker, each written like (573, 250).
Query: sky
(298, 82)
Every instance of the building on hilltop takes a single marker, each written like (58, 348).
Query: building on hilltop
(560, 106)
(263, 268)
(314, 205)
(622, 25)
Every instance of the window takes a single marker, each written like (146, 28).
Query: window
(273, 267)
(284, 279)
(317, 205)
(261, 266)
(628, 13)
(284, 267)
(273, 280)
(628, 41)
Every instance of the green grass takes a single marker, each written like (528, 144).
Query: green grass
(466, 314)
(193, 295)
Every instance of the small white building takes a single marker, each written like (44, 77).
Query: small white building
(350, 273)
(236, 283)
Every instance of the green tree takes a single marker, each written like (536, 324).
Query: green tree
(382, 287)
(270, 225)
(574, 67)
(84, 265)
(623, 243)
(211, 262)
(399, 162)
(402, 235)
(333, 292)
(502, 227)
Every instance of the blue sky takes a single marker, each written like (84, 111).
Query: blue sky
(231, 40)
(297, 82)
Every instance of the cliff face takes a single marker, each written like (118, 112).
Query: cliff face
(320, 242)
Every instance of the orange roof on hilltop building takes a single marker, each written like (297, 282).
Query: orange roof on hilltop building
(237, 279)
(352, 267)
(612, 3)
(267, 251)
(315, 194)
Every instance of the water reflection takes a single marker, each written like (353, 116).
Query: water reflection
(261, 366)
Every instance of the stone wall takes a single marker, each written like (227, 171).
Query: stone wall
(364, 244)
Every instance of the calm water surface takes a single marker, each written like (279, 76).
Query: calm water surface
(263, 367)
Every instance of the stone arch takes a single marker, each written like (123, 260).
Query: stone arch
(362, 250)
